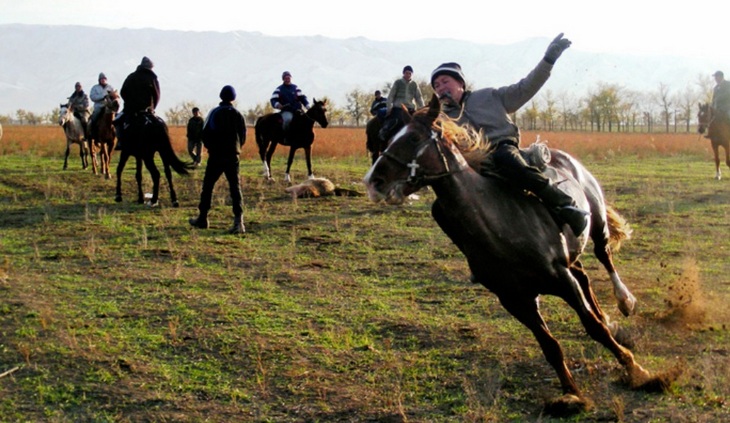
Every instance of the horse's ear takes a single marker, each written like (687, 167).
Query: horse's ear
(434, 107)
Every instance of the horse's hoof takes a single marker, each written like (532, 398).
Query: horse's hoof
(152, 205)
(641, 380)
(566, 405)
(118, 198)
(175, 204)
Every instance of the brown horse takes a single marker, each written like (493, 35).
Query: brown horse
(379, 133)
(718, 131)
(74, 131)
(105, 133)
(511, 242)
(300, 134)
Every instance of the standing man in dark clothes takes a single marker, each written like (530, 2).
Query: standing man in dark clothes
(224, 134)
(194, 135)
(140, 92)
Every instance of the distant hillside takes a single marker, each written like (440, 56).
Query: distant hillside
(42, 63)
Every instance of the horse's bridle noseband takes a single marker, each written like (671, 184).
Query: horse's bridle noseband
(415, 177)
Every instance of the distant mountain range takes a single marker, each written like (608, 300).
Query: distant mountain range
(40, 64)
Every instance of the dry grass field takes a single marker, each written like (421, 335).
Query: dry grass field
(336, 309)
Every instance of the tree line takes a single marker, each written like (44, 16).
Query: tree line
(605, 108)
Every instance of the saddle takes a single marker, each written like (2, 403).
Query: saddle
(536, 155)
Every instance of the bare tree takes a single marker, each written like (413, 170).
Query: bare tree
(664, 101)
(358, 105)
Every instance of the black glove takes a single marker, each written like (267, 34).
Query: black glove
(556, 48)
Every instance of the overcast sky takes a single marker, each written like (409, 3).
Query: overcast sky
(696, 28)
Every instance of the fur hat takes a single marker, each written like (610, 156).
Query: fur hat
(452, 69)
(228, 93)
(147, 63)
(408, 68)
(285, 74)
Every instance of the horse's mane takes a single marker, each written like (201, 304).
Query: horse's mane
(470, 143)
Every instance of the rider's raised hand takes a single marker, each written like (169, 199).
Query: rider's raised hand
(556, 48)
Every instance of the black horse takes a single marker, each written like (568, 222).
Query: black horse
(300, 134)
(379, 133)
(146, 135)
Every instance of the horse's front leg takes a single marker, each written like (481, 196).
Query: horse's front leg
(84, 153)
(105, 160)
(173, 194)
(65, 159)
(308, 158)
(120, 168)
(716, 150)
(94, 163)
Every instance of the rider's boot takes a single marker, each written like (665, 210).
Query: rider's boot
(238, 227)
(564, 208)
(199, 222)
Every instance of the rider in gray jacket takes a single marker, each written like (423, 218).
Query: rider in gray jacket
(97, 94)
(487, 111)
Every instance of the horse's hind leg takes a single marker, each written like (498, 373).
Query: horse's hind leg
(173, 194)
(149, 163)
(267, 160)
(120, 168)
(580, 275)
(577, 297)
(289, 161)
(600, 235)
(138, 178)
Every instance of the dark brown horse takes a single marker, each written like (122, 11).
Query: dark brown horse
(104, 135)
(718, 131)
(300, 134)
(512, 244)
(146, 135)
(379, 133)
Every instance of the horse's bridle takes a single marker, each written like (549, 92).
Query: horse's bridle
(311, 118)
(416, 177)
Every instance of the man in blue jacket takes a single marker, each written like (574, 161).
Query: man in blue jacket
(288, 98)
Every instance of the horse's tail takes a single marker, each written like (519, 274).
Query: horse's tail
(168, 155)
(618, 228)
(259, 133)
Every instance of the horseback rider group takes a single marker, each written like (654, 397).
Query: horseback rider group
(486, 111)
